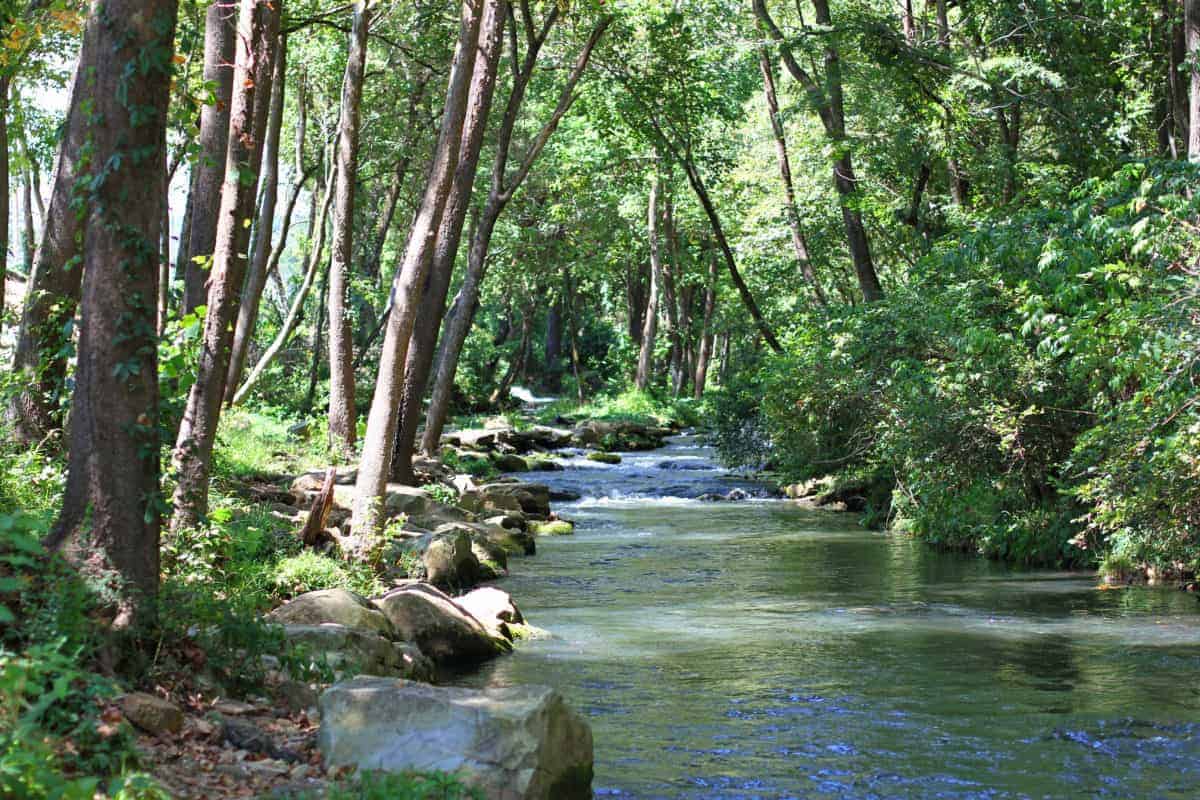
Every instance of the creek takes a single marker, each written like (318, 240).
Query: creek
(762, 649)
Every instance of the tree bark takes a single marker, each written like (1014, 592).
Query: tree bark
(554, 346)
(421, 348)
(110, 519)
(706, 332)
(645, 367)
(1191, 25)
(379, 442)
(258, 33)
(261, 254)
(220, 47)
(791, 209)
(671, 297)
(462, 314)
(55, 282)
(342, 413)
(28, 242)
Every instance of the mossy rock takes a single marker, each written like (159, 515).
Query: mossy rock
(509, 462)
(604, 458)
(558, 527)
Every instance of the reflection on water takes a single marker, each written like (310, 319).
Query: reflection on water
(763, 650)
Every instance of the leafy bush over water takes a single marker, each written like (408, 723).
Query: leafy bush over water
(1030, 392)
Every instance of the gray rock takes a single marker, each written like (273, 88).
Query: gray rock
(345, 649)
(445, 632)
(152, 714)
(518, 743)
(333, 606)
(531, 498)
(491, 606)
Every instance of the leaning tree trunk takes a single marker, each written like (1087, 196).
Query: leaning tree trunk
(706, 332)
(650, 319)
(261, 254)
(792, 210)
(220, 47)
(466, 302)
(109, 524)
(342, 413)
(437, 283)
(258, 32)
(379, 442)
(54, 285)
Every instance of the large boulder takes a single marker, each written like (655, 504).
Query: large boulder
(440, 627)
(619, 435)
(358, 652)
(152, 714)
(336, 606)
(476, 439)
(444, 558)
(491, 606)
(517, 743)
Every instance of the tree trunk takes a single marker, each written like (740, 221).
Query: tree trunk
(830, 107)
(748, 301)
(28, 241)
(220, 48)
(258, 34)
(573, 321)
(110, 519)
(672, 299)
(791, 209)
(520, 359)
(422, 346)
(645, 365)
(636, 279)
(261, 254)
(1191, 25)
(706, 332)
(5, 193)
(554, 346)
(314, 368)
(462, 314)
(342, 413)
(379, 444)
(1179, 87)
(44, 343)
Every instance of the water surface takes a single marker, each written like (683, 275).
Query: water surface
(764, 650)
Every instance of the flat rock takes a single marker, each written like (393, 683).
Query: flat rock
(152, 714)
(517, 743)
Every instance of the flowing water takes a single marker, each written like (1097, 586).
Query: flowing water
(760, 649)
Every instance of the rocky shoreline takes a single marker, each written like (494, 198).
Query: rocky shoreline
(379, 705)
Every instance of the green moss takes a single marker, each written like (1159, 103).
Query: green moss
(604, 458)
(558, 527)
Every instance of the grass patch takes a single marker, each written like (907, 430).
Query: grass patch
(630, 406)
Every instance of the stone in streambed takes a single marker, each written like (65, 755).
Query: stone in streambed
(443, 630)
(509, 462)
(604, 458)
(518, 743)
(557, 527)
(336, 606)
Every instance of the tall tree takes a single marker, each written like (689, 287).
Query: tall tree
(829, 104)
(342, 414)
(645, 362)
(1191, 24)
(110, 517)
(418, 252)
(262, 253)
(437, 282)
(5, 190)
(208, 175)
(258, 33)
(55, 282)
(503, 187)
(791, 210)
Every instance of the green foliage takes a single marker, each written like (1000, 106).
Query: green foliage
(308, 571)
(400, 786)
(1028, 395)
(628, 406)
(441, 493)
